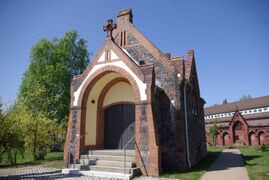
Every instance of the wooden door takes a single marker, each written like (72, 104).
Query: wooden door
(119, 126)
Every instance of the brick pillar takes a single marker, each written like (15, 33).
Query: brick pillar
(71, 143)
(147, 149)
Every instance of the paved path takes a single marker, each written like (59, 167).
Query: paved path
(229, 165)
(36, 172)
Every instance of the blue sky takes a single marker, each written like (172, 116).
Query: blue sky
(230, 38)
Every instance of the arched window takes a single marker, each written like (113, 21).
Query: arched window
(237, 126)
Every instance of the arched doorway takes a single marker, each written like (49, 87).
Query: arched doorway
(218, 139)
(252, 139)
(111, 100)
(226, 139)
(261, 138)
(119, 126)
(238, 133)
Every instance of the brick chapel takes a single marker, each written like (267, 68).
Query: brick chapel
(133, 96)
(241, 122)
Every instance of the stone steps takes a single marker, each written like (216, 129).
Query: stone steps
(106, 157)
(115, 169)
(108, 161)
(112, 152)
(128, 164)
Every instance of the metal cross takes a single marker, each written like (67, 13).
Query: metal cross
(109, 28)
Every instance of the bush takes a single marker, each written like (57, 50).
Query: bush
(264, 148)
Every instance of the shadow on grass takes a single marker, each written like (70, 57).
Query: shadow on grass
(230, 160)
(249, 158)
(198, 168)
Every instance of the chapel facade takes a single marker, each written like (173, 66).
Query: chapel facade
(241, 123)
(134, 96)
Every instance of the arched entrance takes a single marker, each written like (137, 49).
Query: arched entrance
(252, 139)
(110, 113)
(238, 133)
(261, 137)
(119, 126)
(218, 139)
(226, 139)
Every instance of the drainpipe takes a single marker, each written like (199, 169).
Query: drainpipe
(186, 124)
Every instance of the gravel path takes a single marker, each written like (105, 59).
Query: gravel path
(39, 172)
(229, 165)
(36, 172)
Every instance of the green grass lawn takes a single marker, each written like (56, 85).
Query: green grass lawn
(257, 162)
(197, 171)
(28, 158)
(57, 165)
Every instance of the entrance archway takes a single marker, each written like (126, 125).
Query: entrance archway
(261, 138)
(252, 139)
(238, 133)
(119, 126)
(115, 114)
(226, 139)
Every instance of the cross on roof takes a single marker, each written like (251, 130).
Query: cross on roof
(109, 28)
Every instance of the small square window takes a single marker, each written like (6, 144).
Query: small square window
(265, 108)
(255, 110)
(245, 112)
(260, 110)
(250, 111)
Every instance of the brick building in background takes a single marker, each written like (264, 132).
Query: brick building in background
(132, 89)
(243, 122)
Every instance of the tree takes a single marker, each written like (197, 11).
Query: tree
(245, 97)
(213, 131)
(12, 133)
(225, 101)
(53, 64)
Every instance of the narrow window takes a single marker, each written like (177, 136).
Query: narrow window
(107, 55)
(124, 32)
(121, 38)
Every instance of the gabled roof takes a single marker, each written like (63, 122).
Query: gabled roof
(238, 105)
(264, 115)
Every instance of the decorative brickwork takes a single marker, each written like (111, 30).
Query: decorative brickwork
(241, 123)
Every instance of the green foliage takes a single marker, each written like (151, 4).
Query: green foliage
(45, 87)
(38, 136)
(264, 148)
(245, 97)
(53, 64)
(256, 162)
(213, 130)
(12, 133)
(28, 158)
(39, 118)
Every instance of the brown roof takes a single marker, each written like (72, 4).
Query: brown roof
(240, 105)
(245, 116)
(251, 123)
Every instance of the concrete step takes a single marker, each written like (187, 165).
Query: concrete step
(115, 163)
(107, 157)
(109, 163)
(115, 169)
(82, 167)
(113, 152)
